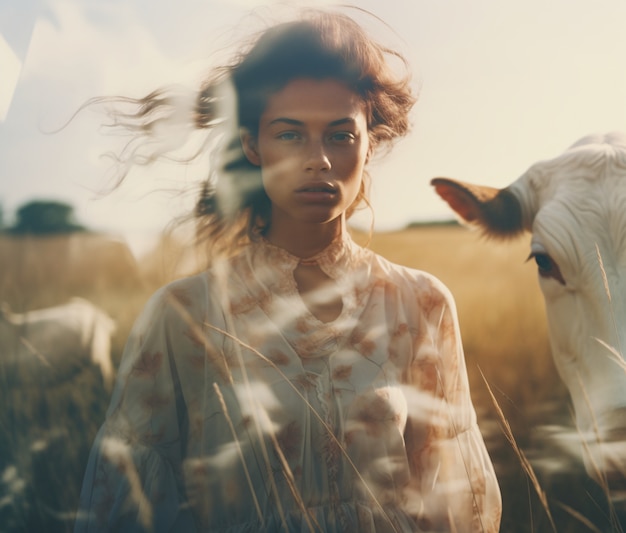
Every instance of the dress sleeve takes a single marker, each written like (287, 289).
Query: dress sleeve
(133, 476)
(454, 487)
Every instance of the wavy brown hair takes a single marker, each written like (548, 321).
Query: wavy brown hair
(233, 207)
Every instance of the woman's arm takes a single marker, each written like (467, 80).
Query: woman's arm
(133, 480)
(454, 487)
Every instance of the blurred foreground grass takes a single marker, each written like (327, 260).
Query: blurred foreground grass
(45, 434)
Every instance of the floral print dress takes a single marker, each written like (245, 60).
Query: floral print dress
(237, 410)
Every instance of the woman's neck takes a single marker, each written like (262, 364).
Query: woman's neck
(305, 240)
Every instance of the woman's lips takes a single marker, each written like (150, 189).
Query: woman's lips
(317, 192)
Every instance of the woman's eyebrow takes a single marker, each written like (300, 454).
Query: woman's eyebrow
(285, 120)
(294, 122)
(347, 120)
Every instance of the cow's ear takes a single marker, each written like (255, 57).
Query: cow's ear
(496, 211)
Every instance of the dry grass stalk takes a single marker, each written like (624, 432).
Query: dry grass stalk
(41, 357)
(578, 516)
(605, 279)
(506, 428)
(222, 276)
(607, 290)
(290, 478)
(214, 355)
(118, 453)
(600, 473)
(220, 396)
(616, 355)
(451, 419)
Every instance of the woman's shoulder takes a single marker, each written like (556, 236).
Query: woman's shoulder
(411, 281)
(190, 294)
(188, 285)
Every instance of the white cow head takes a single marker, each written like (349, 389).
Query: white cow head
(575, 207)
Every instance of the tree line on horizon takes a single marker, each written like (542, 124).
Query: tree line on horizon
(42, 217)
(52, 217)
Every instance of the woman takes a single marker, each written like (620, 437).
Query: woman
(301, 383)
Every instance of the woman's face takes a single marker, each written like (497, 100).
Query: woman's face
(312, 147)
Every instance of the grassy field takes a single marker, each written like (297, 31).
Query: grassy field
(45, 434)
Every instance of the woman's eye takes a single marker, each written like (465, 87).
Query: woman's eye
(342, 136)
(288, 136)
(547, 267)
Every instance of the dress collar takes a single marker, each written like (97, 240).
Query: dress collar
(338, 258)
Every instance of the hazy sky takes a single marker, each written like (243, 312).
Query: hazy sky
(503, 84)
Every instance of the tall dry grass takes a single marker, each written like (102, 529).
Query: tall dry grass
(45, 434)
(46, 431)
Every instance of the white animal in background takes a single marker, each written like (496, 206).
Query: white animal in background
(575, 207)
(46, 346)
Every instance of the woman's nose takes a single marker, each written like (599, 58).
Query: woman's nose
(317, 159)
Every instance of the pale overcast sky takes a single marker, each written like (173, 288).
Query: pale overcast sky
(503, 84)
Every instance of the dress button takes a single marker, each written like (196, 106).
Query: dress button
(328, 344)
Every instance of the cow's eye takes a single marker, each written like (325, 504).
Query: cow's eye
(547, 266)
